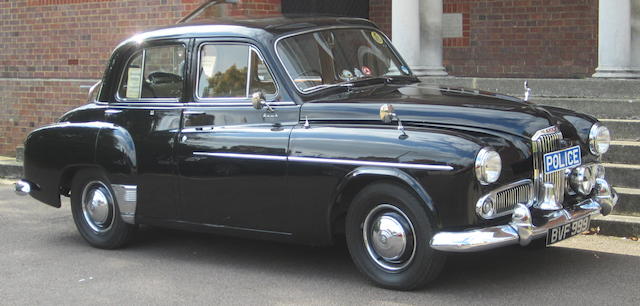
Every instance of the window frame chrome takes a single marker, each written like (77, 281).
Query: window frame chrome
(220, 100)
(119, 99)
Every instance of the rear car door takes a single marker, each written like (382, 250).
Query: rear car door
(148, 104)
(232, 157)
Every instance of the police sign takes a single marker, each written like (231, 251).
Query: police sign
(563, 159)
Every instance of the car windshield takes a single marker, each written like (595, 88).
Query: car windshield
(337, 57)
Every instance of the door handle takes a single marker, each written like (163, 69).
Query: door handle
(112, 111)
(194, 113)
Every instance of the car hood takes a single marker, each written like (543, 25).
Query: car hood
(418, 104)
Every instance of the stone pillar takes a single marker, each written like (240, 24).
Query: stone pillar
(417, 34)
(405, 30)
(614, 39)
(431, 39)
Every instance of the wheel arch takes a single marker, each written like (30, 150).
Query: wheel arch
(360, 177)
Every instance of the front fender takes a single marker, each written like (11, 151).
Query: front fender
(394, 174)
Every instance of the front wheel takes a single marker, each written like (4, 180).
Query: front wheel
(388, 234)
(95, 211)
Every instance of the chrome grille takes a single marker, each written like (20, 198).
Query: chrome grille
(506, 197)
(545, 141)
(505, 200)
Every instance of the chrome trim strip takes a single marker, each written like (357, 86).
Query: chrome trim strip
(369, 163)
(242, 156)
(327, 161)
(127, 200)
(169, 105)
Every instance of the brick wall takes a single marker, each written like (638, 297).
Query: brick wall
(526, 38)
(50, 48)
(380, 13)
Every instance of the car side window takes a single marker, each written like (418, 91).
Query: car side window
(232, 71)
(155, 72)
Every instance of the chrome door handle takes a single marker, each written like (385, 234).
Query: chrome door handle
(187, 113)
(112, 111)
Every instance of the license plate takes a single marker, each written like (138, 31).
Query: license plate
(568, 230)
(563, 159)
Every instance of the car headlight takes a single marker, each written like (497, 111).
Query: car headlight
(488, 166)
(599, 139)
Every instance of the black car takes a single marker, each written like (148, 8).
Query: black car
(304, 130)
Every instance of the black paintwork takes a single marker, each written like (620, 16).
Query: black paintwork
(152, 144)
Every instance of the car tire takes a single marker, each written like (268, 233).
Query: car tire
(95, 211)
(388, 233)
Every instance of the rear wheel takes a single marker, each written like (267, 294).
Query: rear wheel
(388, 234)
(95, 211)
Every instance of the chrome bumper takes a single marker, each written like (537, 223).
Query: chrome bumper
(22, 188)
(521, 229)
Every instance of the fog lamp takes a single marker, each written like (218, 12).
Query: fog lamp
(582, 180)
(486, 208)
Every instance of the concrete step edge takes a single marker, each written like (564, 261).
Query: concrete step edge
(535, 99)
(627, 190)
(621, 166)
(617, 225)
(629, 143)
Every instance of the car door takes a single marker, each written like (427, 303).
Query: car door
(231, 156)
(148, 104)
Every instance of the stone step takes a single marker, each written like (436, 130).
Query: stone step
(623, 152)
(569, 88)
(621, 226)
(623, 175)
(10, 169)
(623, 129)
(599, 108)
(19, 153)
(629, 202)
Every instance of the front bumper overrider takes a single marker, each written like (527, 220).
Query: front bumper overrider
(521, 229)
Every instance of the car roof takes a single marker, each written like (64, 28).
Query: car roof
(249, 27)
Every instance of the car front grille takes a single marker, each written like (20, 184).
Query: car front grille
(506, 199)
(545, 141)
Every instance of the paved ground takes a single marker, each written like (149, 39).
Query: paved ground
(44, 261)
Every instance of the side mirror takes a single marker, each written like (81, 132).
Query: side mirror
(258, 100)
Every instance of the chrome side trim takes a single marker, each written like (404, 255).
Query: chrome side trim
(326, 161)
(242, 156)
(369, 163)
(127, 200)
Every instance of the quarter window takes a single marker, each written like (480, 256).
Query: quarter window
(233, 71)
(156, 72)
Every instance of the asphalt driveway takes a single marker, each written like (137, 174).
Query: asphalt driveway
(43, 260)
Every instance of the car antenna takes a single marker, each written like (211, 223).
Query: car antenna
(527, 91)
(201, 8)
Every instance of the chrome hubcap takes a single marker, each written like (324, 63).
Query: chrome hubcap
(97, 206)
(389, 237)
